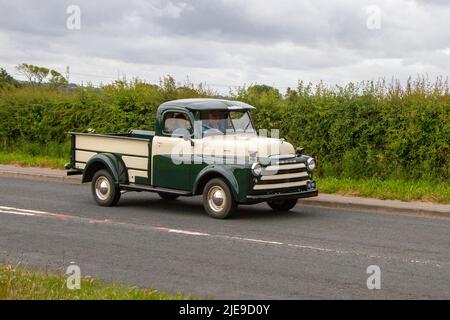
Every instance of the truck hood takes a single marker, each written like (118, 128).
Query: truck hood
(245, 145)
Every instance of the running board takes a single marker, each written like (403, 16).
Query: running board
(142, 187)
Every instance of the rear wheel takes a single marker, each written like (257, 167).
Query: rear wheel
(282, 205)
(218, 200)
(168, 196)
(104, 190)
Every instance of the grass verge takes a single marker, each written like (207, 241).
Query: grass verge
(31, 154)
(22, 284)
(419, 190)
(26, 160)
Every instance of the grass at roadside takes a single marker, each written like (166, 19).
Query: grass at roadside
(30, 154)
(25, 160)
(388, 189)
(22, 284)
(418, 190)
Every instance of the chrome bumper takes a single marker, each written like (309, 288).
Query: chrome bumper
(282, 195)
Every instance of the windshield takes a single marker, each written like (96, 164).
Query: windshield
(215, 122)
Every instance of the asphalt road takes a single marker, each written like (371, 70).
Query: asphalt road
(309, 253)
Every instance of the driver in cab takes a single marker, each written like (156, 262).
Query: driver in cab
(214, 122)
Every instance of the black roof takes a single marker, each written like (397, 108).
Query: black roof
(207, 104)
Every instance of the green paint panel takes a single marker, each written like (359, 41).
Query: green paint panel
(142, 180)
(170, 175)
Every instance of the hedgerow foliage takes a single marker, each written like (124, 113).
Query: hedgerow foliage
(369, 129)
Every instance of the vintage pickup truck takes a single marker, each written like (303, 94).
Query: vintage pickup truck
(203, 147)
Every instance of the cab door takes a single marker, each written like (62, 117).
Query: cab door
(172, 153)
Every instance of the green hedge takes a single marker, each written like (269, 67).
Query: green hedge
(358, 131)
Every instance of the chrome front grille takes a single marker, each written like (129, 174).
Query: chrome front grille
(281, 176)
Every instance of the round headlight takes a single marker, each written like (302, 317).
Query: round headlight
(311, 164)
(256, 169)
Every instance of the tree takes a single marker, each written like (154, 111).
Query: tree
(41, 74)
(57, 80)
(6, 79)
(259, 89)
(36, 75)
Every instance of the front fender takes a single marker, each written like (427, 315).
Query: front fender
(110, 162)
(215, 170)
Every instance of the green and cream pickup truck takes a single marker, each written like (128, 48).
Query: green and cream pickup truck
(205, 147)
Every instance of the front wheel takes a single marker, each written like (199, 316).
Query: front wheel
(104, 190)
(282, 205)
(218, 200)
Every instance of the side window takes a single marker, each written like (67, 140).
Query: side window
(177, 124)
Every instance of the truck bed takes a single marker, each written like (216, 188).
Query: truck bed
(134, 148)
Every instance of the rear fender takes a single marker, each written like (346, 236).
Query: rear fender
(108, 161)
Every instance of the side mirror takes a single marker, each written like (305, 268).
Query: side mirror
(188, 137)
(185, 134)
(299, 151)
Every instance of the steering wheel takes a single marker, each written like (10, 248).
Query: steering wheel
(212, 132)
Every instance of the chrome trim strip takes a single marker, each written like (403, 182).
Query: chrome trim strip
(285, 176)
(279, 185)
(285, 167)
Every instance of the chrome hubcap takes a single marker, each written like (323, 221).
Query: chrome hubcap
(216, 198)
(102, 188)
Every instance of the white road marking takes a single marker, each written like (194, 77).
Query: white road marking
(191, 233)
(17, 212)
(316, 248)
(37, 213)
(249, 239)
(25, 210)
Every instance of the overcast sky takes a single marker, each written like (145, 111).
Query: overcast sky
(230, 43)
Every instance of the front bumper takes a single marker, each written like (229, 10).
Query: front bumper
(254, 198)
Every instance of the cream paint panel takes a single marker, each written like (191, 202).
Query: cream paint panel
(285, 176)
(167, 145)
(132, 174)
(279, 185)
(135, 162)
(83, 156)
(114, 145)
